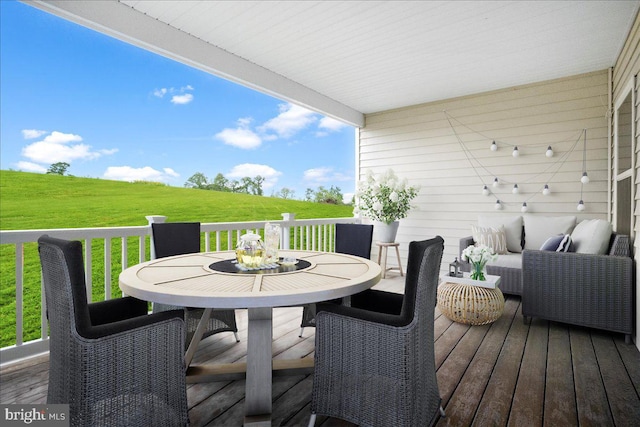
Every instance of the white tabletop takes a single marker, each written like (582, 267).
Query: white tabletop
(187, 280)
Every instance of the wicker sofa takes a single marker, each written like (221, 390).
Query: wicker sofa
(585, 289)
(595, 291)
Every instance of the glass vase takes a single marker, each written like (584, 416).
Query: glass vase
(477, 271)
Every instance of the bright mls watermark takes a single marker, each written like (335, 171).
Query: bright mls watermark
(34, 415)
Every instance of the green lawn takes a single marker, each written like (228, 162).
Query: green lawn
(36, 201)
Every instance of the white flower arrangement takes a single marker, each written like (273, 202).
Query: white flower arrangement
(385, 198)
(478, 256)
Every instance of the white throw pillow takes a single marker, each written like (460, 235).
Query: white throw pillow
(592, 236)
(537, 229)
(512, 229)
(492, 237)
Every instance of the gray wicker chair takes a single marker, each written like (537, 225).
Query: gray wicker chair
(376, 366)
(595, 291)
(351, 239)
(178, 238)
(114, 364)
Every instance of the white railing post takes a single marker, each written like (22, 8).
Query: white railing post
(154, 219)
(289, 220)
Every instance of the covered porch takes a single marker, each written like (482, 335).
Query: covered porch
(509, 372)
(505, 373)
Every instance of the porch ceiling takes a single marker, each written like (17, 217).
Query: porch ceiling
(349, 58)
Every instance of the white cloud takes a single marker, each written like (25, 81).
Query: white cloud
(333, 125)
(291, 120)
(251, 170)
(47, 152)
(61, 147)
(147, 173)
(32, 133)
(160, 92)
(240, 137)
(178, 96)
(319, 176)
(182, 99)
(30, 167)
(61, 138)
(171, 172)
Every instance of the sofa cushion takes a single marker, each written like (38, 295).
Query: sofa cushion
(537, 229)
(510, 260)
(592, 236)
(559, 243)
(492, 237)
(512, 228)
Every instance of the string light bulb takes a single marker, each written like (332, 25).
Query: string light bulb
(494, 146)
(498, 205)
(495, 182)
(585, 178)
(545, 190)
(524, 207)
(580, 206)
(515, 153)
(515, 189)
(485, 191)
(549, 152)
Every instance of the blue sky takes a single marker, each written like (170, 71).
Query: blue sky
(114, 111)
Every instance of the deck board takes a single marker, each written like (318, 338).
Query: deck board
(560, 403)
(506, 373)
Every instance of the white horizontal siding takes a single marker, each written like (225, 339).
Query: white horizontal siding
(419, 144)
(626, 70)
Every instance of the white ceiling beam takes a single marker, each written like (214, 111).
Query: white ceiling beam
(124, 23)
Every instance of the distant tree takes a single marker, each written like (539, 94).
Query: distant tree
(309, 195)
(59, 168)
(197, 180)
(220, 183)
(254, 185)
(284, 193)
(332, 195)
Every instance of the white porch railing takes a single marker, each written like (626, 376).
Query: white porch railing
(108, 251)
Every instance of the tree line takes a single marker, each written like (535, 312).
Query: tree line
(245, 185)
(253, 185)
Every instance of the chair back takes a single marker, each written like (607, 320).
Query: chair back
(67, 310)
(421, 284)
(176, 238)
(64, 286)
(354, 239)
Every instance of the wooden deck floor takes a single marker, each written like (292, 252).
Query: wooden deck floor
(507, 373)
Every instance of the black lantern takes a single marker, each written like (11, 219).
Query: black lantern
(454, 268)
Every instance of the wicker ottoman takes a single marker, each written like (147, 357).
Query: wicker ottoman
(468, 304)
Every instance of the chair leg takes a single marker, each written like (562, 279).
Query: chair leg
(235, 334)
(301, 331)
(312, 420)
(442, 414)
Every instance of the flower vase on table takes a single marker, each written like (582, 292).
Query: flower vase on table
(478, 257)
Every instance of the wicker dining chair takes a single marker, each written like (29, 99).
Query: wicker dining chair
(110, 361)
(375, 366)
(179, 238)
(351, 239)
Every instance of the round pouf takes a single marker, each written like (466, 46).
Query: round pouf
(471, 305)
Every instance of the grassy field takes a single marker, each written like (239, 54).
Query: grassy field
(35, 201)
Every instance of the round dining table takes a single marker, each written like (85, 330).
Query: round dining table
(214, 280)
